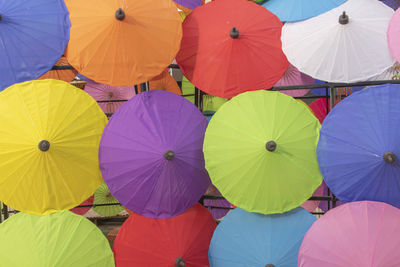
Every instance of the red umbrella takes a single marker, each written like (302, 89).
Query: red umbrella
(232, 46)
(182, 240)
(82, 210)
(319, 108)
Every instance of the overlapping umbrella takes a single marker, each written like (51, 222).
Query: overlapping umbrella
(103, 196)
(103, 92)
(341, 47)
(165, 82)
(59, 239)
(295, 10)
(82, 210)
(358, 148)
(356, 234)
(259, 150)
(294, 77)
(151, 154)
(179, 241)
(49, 137)
(34, 35)
(241, 36)
(123, 42)
(392, 73)
(393, 35)
(250, 239)
(66, 75)
(320, 108)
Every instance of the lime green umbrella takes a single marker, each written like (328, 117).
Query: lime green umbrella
(60, 239)
(103, 196)
(260, 152)
(187, 89)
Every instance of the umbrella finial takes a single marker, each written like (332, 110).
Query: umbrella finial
(180, 262)
(270, 146)
(44, 145)
(389, 157)
(120, 14)
(169, 155)
(1, 17)
(234, 33)
(269, 265)
(344, 19)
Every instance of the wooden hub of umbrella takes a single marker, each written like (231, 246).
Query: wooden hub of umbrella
(120, 14)
(389, 157)
(269, 265)
(180, 262)
(270, 146)
(234, 33)
(344, 19)
(169, 155)
(44, 145)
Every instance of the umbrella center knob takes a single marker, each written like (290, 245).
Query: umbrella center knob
(169, 155)
(180, 262)
(110, 95)
(389, 157)
(270, 146)
(269, 265)
(120, 14)
(1, 17)
(234, 33)
(344, 19)
(44, 145)
(108, 195)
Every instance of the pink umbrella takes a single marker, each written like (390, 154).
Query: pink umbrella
(294, 77)
(82, 210)
(312, 205)
(393, 35)
(103, 92)
(356, 234)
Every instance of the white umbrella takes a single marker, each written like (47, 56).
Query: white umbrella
(339, 47)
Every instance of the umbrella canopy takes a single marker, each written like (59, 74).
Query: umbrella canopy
(165, 82)
(179, 241)
(319, 108)
(191, 4)
(323, 205)
(241, 36)
(339, 47)
(123, 42)
(103, 196)
(356, 234)
(34, 35)
(151, 154)
(295, 10)
(103, 92)
(49, 143)
(60, 239)
(250, 239)
(66, 75)
(294, 77)
(393, 35)
(358, 148)
(82, 210)
(259, 150)
(218, 207)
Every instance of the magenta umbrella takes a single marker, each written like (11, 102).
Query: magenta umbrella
(393, 35)
(356, 234)
(151, 154)
(312, 205)
(103, 92)
(293, 76)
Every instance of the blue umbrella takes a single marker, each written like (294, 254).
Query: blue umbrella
(395, 4)
(33, 37)
(359, 146)
(252, 239)
(295, 10)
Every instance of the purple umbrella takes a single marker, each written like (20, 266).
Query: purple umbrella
(218, 207)
(151, 154)
(191, 4)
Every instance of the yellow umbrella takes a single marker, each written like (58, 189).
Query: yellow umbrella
(49, 138)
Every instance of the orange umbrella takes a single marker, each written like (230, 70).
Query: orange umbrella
(165, 82)
(63, 75)
(123, 42)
